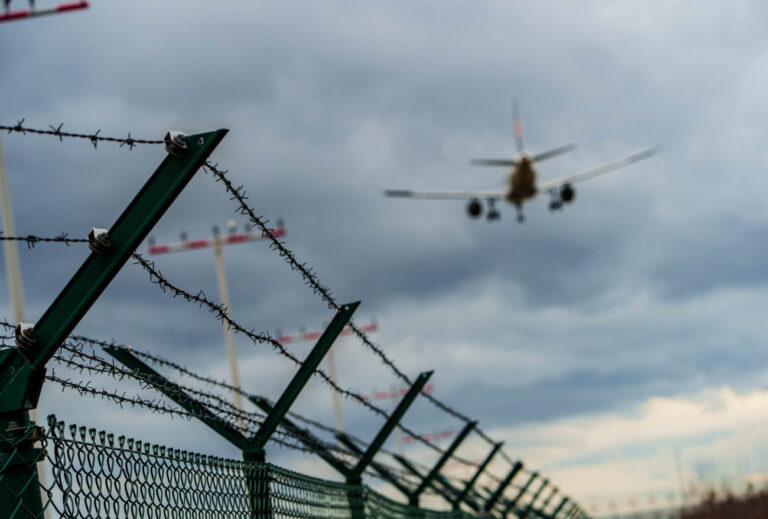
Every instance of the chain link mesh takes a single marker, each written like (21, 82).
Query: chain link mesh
(96, 475)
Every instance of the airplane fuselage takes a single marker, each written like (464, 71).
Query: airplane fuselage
(522, 182)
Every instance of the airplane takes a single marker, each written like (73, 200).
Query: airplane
(521, 184)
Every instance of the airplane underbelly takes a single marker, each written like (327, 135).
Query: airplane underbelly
(523, 188)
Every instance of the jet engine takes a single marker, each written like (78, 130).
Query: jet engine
(475, 208)
(567, 193)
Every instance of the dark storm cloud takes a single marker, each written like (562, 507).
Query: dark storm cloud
(331, 103)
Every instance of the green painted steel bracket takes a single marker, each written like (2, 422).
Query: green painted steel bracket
(286, 400)
(252, 448)
(444, 457)
(529, 509)
(517, 467)
(513, 503)
(311, 441)
(471, 483)
(413, 498)
(356, 473)
(380, 469)
(545, 504)
(175, 393)
(21, 369)
(559, 507)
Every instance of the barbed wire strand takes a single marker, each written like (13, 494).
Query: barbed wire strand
(94, 138)
(310, 278)
(32, 240)
(219, 311)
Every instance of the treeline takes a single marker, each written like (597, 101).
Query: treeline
(753, 505)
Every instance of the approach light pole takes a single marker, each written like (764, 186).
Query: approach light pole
(217, 242)
(10, 251)
(9, 15)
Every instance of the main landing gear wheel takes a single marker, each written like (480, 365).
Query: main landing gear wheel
(520, 215)
(493, 213)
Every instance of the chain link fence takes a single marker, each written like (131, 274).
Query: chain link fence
(97, 475)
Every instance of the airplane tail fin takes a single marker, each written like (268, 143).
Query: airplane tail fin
(518, 126)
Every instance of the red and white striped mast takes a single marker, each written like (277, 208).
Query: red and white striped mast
(9, 15)
(216, 243)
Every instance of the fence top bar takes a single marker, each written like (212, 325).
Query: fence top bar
(301, 377)
(390, 424)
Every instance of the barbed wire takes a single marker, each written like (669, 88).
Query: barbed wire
(157, 360)
(32, 240)
(220, 312)
(94, 138)
(311, 280)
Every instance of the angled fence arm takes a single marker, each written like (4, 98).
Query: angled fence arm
(542, 510)
(22, 369)
(311, 441)
(517, 467)
(286, 400)
(513, 503)
(444, 457)
(414, 499)
(380, 469)
(356, 473)
(559, 507)
(175, 393)
(471, 483)
(532, 503)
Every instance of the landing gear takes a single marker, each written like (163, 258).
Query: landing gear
(493, 213)
(520, 215)
(555, 202)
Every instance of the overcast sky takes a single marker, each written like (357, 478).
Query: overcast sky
(600, 341)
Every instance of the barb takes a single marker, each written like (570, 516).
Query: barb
(311, 280)
(32, 240)
(95, 138)
(219, 311)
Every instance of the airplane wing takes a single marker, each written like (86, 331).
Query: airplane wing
(446, 195)
(598, 170)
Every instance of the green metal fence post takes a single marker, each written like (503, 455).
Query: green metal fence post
(444, 458)
(355, 475)
(22, 369)
(559, 507)
(471, 483)
(488, 506)
(513, 503)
